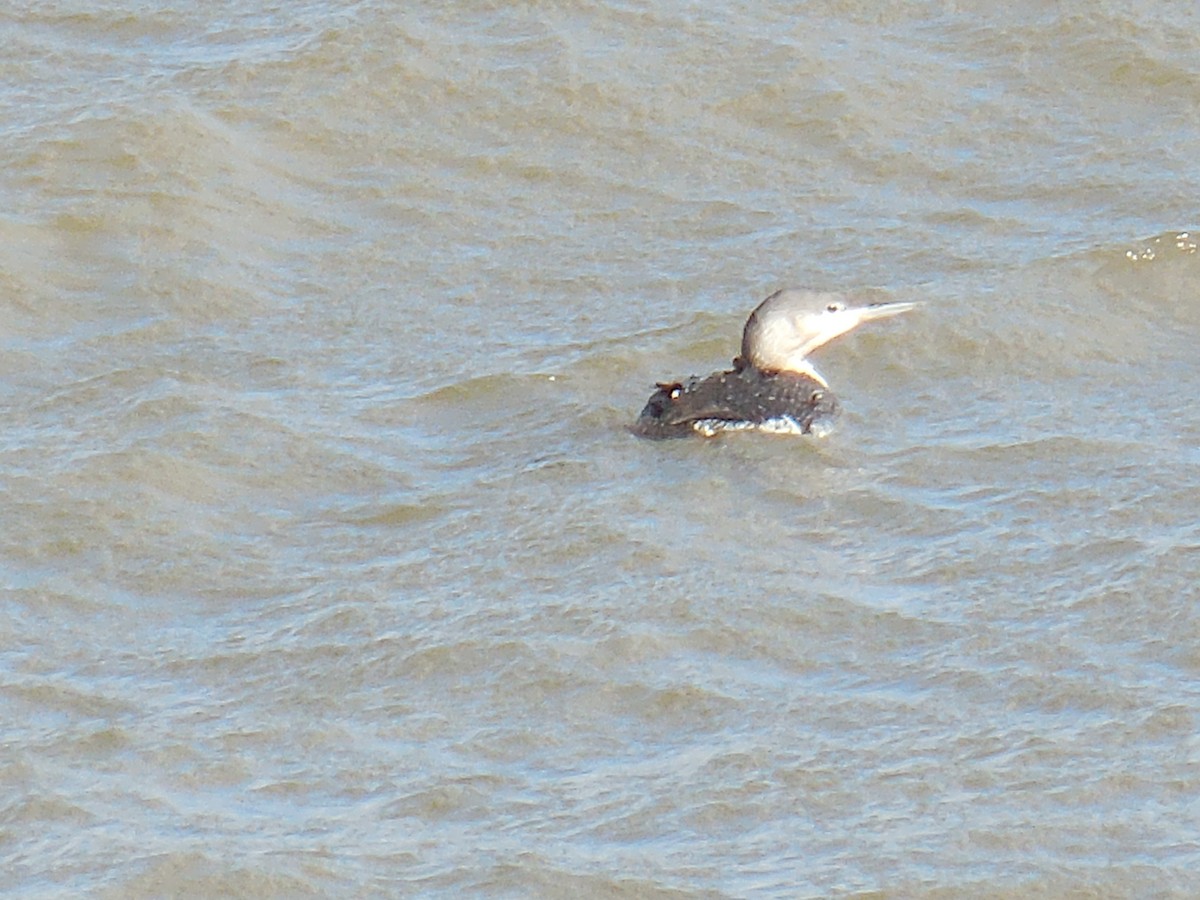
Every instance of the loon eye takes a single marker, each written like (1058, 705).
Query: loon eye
(833, 307)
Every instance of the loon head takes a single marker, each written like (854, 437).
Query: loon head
(791, 323)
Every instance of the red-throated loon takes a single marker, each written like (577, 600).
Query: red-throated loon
(772, 385)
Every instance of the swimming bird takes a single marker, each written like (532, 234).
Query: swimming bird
(772, 385)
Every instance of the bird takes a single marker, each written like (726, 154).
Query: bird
(773, 386)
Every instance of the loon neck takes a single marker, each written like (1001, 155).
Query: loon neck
(805, 369)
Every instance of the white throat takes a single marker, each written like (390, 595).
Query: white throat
(804, 367)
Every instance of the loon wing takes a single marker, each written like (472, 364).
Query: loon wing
(737, 400)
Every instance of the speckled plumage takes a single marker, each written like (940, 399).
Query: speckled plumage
(739, 400)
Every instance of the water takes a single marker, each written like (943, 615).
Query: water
(330, 568)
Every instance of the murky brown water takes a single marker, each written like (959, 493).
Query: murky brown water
(329, 566)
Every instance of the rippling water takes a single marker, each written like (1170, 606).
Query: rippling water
(330, 567)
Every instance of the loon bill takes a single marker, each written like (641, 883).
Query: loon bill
(772, 385)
